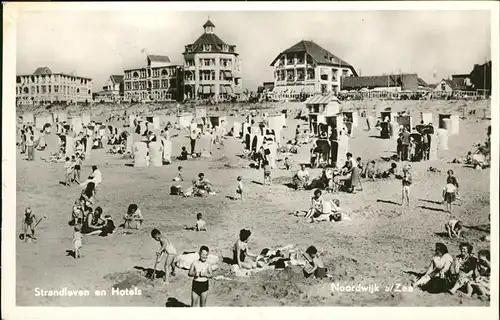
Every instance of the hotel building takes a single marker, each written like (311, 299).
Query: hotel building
(306, 68)
(159, 80)
(212, 67)
(48, 87)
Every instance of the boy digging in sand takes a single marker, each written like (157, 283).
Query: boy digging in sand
(168, 248)
(454, 228)
(29, 224)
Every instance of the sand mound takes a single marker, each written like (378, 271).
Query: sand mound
(129, 279)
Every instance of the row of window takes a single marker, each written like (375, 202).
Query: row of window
(155, 95)
(51, 89)
(150, 73)
(52, 78)
(209, 76)
(155, 84)
(301, 75)
(209, 48)
(295, 59)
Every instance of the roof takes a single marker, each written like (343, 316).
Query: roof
(383, 81)
(158, 58)
(42, 71)
(209, 24)
(319, 54)
(208, 38)
(321, 99)
(116, 79)
(422, 83)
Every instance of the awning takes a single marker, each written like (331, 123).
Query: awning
(321, 99)
(229, 89)
(200, 89)
(206, 89)
(228, 75)
(223, 89)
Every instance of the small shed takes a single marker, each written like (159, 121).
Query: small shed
(449, 122)
(388, 114)
(216, 120)
(184, 120)
(85, 118)
(154, 121)
(351, 116)
(326, 105)
(426, 117)
(41, 120)
(200, 112)
(28, 117)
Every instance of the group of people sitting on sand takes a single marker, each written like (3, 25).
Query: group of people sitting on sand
(466, 272)
(324, 210)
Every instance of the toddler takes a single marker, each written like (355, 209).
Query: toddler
(454, 228)
(267, 173)
(200, 224)
(406, 182)
(239, 188)
(77, 242)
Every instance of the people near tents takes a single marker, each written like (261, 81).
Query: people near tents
(301, 178)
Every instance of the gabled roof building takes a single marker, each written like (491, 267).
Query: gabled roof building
(307, 68)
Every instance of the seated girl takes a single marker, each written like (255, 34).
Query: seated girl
(481, 275)
(314, 265)
(133, 219)
(316, 208)
(93, 223)
(241, 255)
(439, 268)
(331, 212)
(463, 269)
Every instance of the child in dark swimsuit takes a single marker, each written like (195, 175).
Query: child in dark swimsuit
(29, 223)
(201, 271)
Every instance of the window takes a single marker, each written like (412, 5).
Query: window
(136, 74)
(290, 76)
(289, 60)
(310, 74)
(156, 73)
(300, 75)
(164, 83)
(207, 76)
(156, 84)
(78, 90)
(206, 62)
(443, 87)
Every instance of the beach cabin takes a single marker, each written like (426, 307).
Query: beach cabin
(335, 123)
(426, 117)
(184, 120)
(319, 107)
(28, 117)
(85, 118)
(154, 122)
(449, 122)
(216, 120)
(388, 114)
(276, 123)
(352, 117)
(405, 121)
(200, 112)
(59, 117)
(41, 120)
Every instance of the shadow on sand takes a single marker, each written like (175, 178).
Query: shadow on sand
(149, 272)
(389, 201)
(430, 201)
(432, 209)
(174, 303)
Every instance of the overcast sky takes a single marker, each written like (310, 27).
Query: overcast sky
(98, 44)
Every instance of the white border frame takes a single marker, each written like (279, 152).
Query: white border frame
(10, 311)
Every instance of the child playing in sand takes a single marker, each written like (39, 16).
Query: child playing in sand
(166, 247)
(200, 224)
(184, 154)
(77, 242)
(449, 195)
(179, 176)
(287, 164)
(239, 187)
(29, 223)
(406, 183)
(267, 173)
(454, 228)
(453, 180)
(76, 213)
(133, 218)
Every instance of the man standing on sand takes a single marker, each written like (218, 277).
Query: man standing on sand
(405, 143)
(194, 136)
